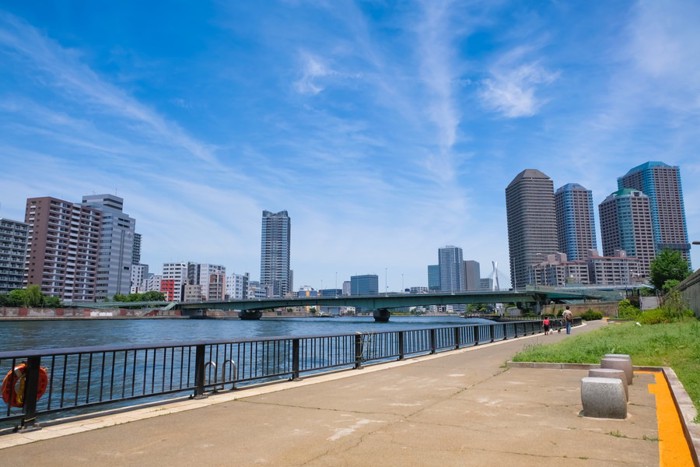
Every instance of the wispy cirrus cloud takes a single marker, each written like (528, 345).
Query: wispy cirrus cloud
(513, 85)
(77, 82)
(512, 92)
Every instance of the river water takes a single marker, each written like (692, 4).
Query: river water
(44, 334)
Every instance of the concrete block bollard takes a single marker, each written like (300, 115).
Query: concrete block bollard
(603, 398)
(624, 364)
(611, 373)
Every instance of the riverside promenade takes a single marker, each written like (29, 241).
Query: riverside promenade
(458, 408)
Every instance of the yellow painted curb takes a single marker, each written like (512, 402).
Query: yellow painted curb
(673, 447)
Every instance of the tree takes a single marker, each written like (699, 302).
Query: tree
(668, 265)
(33, 296)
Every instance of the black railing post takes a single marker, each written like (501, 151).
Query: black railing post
(295, 358)
(457, 343)
(492, 332)
(31, 388)
(402, 348)
(476, 334)
(433, 340)
(505, 331)
(199, 371)
(358, 350)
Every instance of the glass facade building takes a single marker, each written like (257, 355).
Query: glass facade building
(625, 224)
(575, 221)
(662, 184)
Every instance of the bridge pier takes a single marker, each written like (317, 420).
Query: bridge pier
(249, 314)
(381, 315)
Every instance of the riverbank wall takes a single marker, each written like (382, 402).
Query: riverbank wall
(84, 313)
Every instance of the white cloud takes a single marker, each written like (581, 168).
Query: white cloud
(511, 90)
(312, 69)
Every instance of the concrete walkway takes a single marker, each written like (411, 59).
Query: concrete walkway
(458, 408)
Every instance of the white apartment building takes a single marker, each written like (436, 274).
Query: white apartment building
(177, 272)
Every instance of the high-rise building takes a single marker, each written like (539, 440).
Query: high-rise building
(662, 184)
(174, 279)
(472, 275)
(434, 277)
(210, 278)
(575, 221)
(63, 248)
(532, 228)
(625, 224)
(136, 257)
(13, 251)
(116, 246)
(275, 272)
(451, 269)
(366, 284)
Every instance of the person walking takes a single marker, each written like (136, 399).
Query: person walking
(568, 318)
(545, 324)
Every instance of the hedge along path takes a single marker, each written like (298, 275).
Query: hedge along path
(674, 450)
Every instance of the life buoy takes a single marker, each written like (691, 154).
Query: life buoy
(14, 382)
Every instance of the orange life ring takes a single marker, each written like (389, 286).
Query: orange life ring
(14, 382)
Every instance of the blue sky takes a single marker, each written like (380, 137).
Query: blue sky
(385, 129)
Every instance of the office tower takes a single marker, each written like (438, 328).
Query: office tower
(116, 246)
(434, 277)
(367, 284)
(136, 257)
(575, 221)
(662, 184)
(210, 278)
(532, 227)
(472, 275)
(451, 269)
(173, 281)
(625, 224)
(13, 251)
(63, 248)
(275, 253)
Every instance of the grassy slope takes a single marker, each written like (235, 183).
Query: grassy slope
(676, 345)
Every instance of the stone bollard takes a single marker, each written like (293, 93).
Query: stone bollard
(611, 373)
(624, 364)
(603, 398)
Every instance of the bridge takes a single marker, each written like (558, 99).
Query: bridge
(382, 303)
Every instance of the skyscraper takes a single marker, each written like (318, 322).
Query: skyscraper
(532, 229)
(275, 253)
(434, 277)
(13, 251)
(472, 275)
(662, 184)
(575, 221)
(116, 246)
(625, 224)
(63, 248)
(451, 269)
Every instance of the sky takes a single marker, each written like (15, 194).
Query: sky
(385, 129)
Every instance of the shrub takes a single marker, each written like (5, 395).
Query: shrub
(592, 315)
(626, 310)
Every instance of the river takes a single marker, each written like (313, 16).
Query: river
(44, 334)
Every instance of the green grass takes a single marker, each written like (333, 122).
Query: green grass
(676, 345)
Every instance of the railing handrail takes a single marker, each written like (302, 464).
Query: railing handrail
(84, 377)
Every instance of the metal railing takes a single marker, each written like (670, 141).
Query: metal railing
(79, 379)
